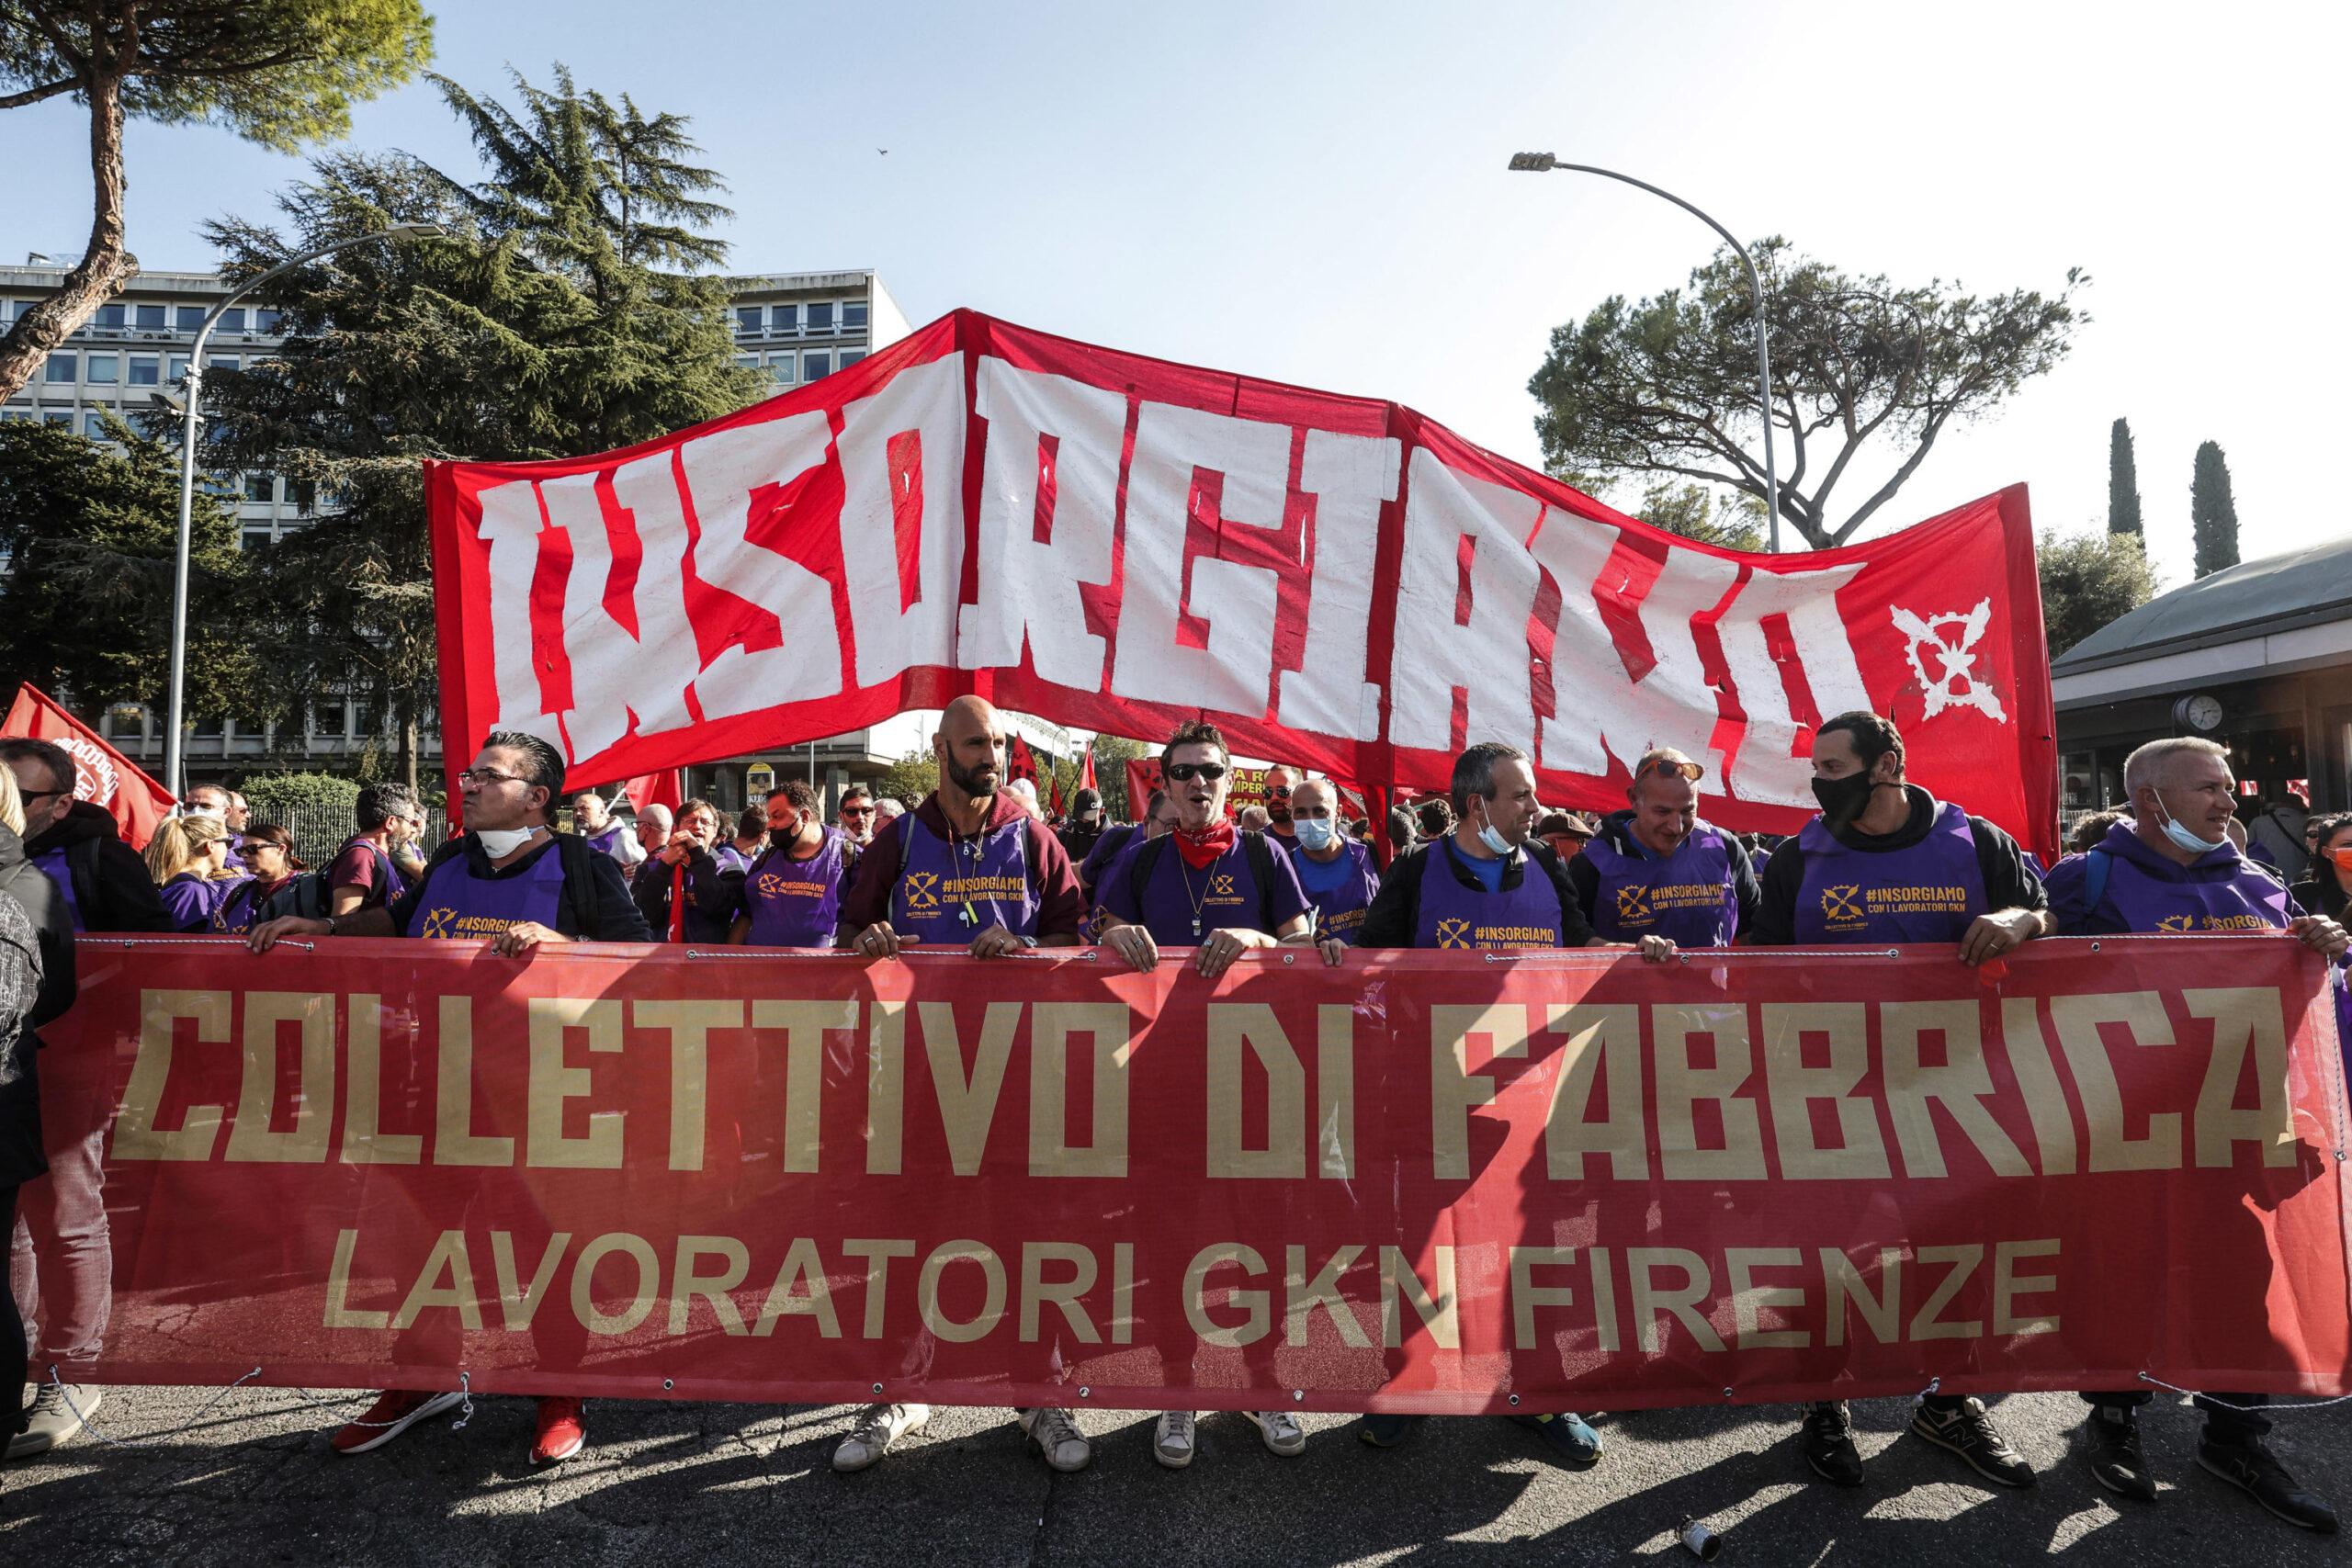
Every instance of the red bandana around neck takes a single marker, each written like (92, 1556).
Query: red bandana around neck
(1203, 848)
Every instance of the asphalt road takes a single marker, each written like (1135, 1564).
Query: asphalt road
(252, 1482)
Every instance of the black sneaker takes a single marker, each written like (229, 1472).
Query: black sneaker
(1969, 1432)
(1828, 1439)
(2251, 1468)
(2116, 1460)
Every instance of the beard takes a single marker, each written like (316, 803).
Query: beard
(976, 784)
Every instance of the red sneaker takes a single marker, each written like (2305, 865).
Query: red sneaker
(394, 1412)
(563, 1431)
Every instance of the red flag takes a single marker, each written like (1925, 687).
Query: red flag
(1021, 765)
(1057, 794)
(103, 776)
(666, 788)
(1086, 772)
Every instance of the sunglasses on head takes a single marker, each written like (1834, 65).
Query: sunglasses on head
(1667, 768)
(1185, 773)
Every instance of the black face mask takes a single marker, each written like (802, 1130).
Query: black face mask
(1842, 799)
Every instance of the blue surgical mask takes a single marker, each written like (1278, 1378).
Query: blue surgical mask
(1315, 833)
(2188, 842)
(1499, 846)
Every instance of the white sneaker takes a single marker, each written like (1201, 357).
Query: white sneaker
(878, 1426)
(1281, 1429)
(1171, 1438)
(1058, 1437)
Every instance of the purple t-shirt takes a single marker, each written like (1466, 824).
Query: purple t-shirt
(1181, 906)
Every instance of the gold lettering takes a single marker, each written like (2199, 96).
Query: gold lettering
(251, 1140)
(2008, 1285)
(1335, 1090)
(1682, 1084)
(1454, 1090)
(687, 1281)
(1037, 1292)
(2037, 1076)
(991, 1311)
(135, 1134)
(1254, 1326)
(1861, 1155)
(1526, 1295)
(520, 1301)
(804, 1024)
(454, 1142)
(340, 1315)
(1649, 1300)
(1749, 1299)
(2142, 1015)
(689, 1024)
(2242, 1017)
(1844, 1285)
(1231, 1027)
(447, 1257)
(1434, 1303)
(1960, 1086)
(968, 1103)
(1598, 1037)
(583, 1282)
(1050, 1026)
(1303, 1295)
(886, 1086)
(1123, 1292)
(364, 1140)
(801, 1262)
(877, 1256)
(552, 1083)
(1965, 1259)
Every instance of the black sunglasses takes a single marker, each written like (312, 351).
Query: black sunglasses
(1183, 772)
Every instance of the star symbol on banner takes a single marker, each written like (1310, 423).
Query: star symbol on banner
(1453, 933)
(1953, 683)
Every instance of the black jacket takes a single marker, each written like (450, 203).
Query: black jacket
(111, 887)
(44, 908)
(713, 896)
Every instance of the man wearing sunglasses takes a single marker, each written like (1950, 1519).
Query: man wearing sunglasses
(1218, 890)
(967, 866)
(511, 878)
(1657, 870)
(856, 817)
(1885, 862)
(1282, 827)
(1488, 884)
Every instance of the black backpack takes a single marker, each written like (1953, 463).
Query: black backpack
(1259, 853)
(310, 896)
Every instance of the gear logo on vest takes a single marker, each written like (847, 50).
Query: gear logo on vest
(2176, 925)
(1633, 904)
(1222, 885)
(1453, 933)
(922, 892)
(1953, 684)
(769, 884)
(438, 922)
(1842, 904)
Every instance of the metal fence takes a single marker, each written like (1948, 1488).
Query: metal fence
(319, 829)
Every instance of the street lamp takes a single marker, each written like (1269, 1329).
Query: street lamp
(1543, 163)
(190, 419)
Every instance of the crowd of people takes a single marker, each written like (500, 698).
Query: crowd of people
(975, 867)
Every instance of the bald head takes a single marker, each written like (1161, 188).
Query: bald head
(969, 748)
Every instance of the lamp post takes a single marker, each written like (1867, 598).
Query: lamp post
(190, 417)
(1543, 163)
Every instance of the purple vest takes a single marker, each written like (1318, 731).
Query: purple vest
(603, 843)
(1688, 895)
(729, 858)
(1509, 918)
(192, 901)
(797, 903)
(1339, 912)
(1181, 906)
(1929, 892)
(2250, 901)
(233, 915)
(949, 893)
(457, 904)
(53, 863)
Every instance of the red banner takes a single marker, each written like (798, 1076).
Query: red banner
(1428, 1181)
(1122, 543)
(102, 775)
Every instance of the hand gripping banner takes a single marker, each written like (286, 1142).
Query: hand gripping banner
(1431, 1181)
(1120, 543)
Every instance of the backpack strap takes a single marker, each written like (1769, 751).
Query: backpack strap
(1147, 861)
(579, 884)
(2098, 863)
(1260, 856)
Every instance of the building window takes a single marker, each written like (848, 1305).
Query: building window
(14, 416)
(255, 536)
(61, 370)
(780, 368)
(821, 317)
(786, 318)
(851, 357)
(207, 729)
(146, 370)
(257, 487)
(188, 318)
(176, 371)
(93, 423)
(233, 321)
(57, 416)
(265, 320)
(106, 369)
(108, 316)
(747, 361)
(363, 720)
(326, 719)
(854, 315)
(150, 318)
(816, 366)
(223, 362)
(747, 318)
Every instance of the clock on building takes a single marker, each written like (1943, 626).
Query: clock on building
(2201, 711)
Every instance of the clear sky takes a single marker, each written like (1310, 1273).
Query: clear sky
(1316, 194)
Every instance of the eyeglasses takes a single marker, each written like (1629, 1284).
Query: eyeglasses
(1667, 768)
(483, 778)
(1185, 773)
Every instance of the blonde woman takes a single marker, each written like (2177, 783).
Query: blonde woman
(188, 857)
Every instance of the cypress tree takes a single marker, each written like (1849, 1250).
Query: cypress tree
(2122, 483)
(2212, 511)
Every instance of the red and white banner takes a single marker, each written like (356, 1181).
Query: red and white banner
(103, 776)
(1245, 787)
(1428, 1181)
(1121, 543)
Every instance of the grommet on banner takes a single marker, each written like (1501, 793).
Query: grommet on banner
(877, 1389)
(1297, 1395)
(1726, 1396)
(1514, 1399)
(667, 1385)
(1700, 1542)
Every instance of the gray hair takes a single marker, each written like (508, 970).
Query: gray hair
(63, 774)
(2152, 763)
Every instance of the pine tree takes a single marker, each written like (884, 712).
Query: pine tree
(2212, 511)
(530, 332)
(2122, 483)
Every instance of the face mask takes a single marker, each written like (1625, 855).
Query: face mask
(2341, 858)
(2183, 840)
(500, 843)
(1315, 833)
(1842, 799)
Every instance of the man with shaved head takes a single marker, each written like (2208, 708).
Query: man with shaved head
(969, 867)
(1659, 869)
